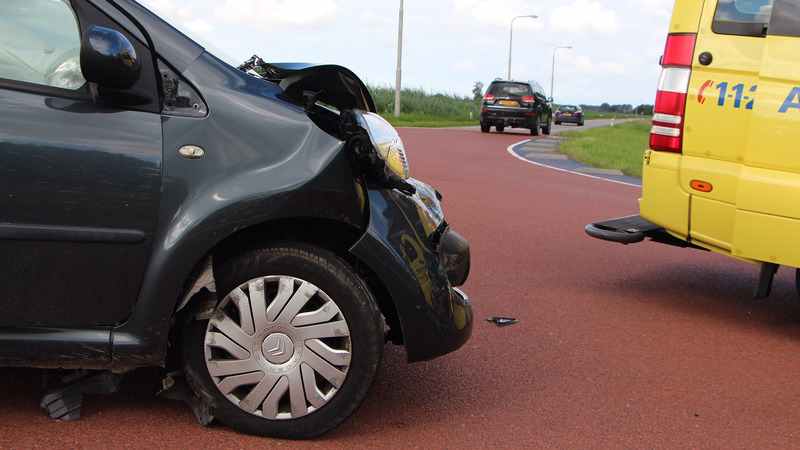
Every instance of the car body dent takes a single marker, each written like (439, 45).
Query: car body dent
(435, 318)
(271, 157)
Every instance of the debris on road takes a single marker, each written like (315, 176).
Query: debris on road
(502, 321)
(65, 402)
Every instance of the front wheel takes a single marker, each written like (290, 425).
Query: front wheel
(293, 347)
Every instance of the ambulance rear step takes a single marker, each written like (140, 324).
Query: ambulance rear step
(632, 229)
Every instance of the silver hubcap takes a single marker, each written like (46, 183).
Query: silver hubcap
(278, 347)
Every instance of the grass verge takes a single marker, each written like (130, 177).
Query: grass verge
(421, 109)
(620, 147)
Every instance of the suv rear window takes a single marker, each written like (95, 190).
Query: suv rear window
(509, 90)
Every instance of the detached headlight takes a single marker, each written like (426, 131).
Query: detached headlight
(387, 144)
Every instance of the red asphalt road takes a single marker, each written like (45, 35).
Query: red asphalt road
(635, 346)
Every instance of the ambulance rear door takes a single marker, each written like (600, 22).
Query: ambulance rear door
(767, 218)
(723, 93)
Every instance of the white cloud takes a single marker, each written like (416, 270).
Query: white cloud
(465, 66)
(372, 19)
(497, 14)
(263, 14)
(584, 18)
(380, 29)
(199, 26)
(656, 9)
(178, 11)
(621, 65)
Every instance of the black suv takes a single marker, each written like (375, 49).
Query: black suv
(253, 230)
(517, 104)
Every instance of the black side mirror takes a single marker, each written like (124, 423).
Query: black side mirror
(108, 58)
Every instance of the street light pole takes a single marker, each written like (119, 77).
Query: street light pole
(510, 39)
(553, 68)
(399, 61)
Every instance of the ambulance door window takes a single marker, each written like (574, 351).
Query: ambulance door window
(785, 18)
(742, 17)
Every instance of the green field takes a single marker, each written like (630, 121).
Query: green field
(421, 109)
(620, 147)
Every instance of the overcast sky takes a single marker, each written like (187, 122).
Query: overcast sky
(449, 45)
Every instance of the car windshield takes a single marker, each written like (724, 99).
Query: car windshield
(568, 108)
(510, 90)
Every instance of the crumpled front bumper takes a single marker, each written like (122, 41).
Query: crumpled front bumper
(420, 261)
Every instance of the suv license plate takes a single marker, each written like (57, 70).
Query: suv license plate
(508, 102)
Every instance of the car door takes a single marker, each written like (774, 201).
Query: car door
(79, 176)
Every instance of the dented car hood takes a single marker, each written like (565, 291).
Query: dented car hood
(304, 83)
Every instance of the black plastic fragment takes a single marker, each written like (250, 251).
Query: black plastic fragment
(176, 387)
(65, 402)
(502, 321)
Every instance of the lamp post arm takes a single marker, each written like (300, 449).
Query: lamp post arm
(511, 39)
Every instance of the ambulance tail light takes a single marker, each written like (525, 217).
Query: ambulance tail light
(673, 86)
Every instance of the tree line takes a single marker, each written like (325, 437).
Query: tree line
(645, 110)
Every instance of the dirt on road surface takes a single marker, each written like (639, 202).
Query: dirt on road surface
(635, 346)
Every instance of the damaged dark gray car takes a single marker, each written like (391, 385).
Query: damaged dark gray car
(255, 231)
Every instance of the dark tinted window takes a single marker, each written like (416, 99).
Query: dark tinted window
(509, 90)
(785, 18)
(742, 17)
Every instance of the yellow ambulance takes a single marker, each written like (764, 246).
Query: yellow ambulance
(723, 169)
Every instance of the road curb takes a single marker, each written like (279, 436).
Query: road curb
(542, 151)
